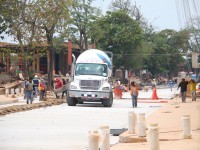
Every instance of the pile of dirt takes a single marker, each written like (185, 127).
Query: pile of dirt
(25, 107)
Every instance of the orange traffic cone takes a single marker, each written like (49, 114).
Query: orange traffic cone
(154, 94)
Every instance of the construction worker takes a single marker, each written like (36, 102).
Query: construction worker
(35, 82)
(29, 92)
(41, 89)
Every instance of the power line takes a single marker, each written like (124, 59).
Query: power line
(148, 54)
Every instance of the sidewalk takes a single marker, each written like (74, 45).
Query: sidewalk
(169, 119)
(7, 99)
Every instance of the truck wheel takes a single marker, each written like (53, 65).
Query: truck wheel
(108, 102)
(71, 101)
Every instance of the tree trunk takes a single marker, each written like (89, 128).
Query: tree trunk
(50, 71)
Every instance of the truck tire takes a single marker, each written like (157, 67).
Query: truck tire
(71, 101)
(108, 102)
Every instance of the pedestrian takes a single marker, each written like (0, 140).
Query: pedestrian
(24, 87)
(171, 84)
(134, 93)
(58, 85)
(183, 85)
(41, 89)
(29, 91)
(35, 82)
(64, 87)
(192, 85)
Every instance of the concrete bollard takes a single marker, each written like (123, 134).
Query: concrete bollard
(141, 117)
(93, 143)
(141, 125)
(105, 138)
(17, 91)
(186, 127)
(22, 91)
(7, 92)
(153, 137)
(132, 120)
(12, 92)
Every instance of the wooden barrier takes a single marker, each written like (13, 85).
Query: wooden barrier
(5, 78)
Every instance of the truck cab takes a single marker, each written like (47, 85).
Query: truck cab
(93, 69)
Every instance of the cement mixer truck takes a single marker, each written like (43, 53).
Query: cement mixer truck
(91, 75)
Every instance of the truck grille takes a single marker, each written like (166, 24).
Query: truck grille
(90, 84)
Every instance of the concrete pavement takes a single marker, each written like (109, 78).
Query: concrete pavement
(169, 122)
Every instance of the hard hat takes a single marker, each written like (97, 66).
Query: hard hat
(67, 75)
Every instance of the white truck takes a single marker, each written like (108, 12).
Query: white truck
(91, 75)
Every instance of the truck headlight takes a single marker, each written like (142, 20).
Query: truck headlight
(105, 88)
(73, 87)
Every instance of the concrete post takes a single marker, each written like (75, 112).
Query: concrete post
(105, 138)
(17, 91)
(153, 137)
(7, 92)
(132, 120)
(141, 125)
(12, 92)
(186, 127)
(93, 140)
(22, 91)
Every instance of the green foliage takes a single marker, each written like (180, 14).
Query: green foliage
(117, 29)
(167, 54)
(83, 15)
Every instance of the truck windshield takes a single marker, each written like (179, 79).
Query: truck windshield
(91, 69)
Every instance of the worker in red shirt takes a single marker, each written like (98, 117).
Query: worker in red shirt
(59, 83)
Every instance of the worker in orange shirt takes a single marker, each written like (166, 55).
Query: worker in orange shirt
(41, 89)
(134, 93)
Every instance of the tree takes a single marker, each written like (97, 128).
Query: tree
(3, 22)
(194, 29)
(120, 31)
(135, 13)
(83, 14)
(54, 16)
(169, 48)
(37, 21)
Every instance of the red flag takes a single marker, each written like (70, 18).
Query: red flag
(69, 54)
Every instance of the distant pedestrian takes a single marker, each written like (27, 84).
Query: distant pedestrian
(134, 93)
(41, 89)
(64, 87)
(183, 85)
(24, 87)
(35, 82)
(192, 85)
(171, 84)
(58, 86)
(29, 91)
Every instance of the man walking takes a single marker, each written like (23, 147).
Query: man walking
(192, 85)
(41, 89)
(35, 82)
(183, 85)
(29, 92)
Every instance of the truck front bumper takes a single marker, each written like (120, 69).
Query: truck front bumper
(89, 95)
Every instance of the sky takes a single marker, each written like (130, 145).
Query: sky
(162, 14)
